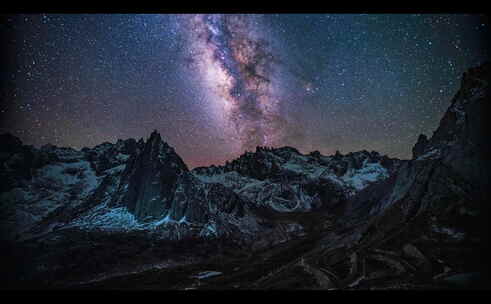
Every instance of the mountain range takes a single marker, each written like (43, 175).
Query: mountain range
(132, 215)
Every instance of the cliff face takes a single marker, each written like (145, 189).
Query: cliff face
(150, 178)
(454, 161)
(461, 140)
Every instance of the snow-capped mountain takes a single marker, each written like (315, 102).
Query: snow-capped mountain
(122, 186)
(145, 184)
(285, 180)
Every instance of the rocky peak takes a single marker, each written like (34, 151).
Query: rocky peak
(150, 178)
(461, 139)
(261, 149)
(476, 77)
(155, 138)
(457, 153)
(158, 151)
(463, 121)
(315, 154)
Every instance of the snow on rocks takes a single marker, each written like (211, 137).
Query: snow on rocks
(285, 170)
(450, 232)
(107, 219)
(431, 154)
(206, 274)
(104, 179)
(361, 178)
(120, 219)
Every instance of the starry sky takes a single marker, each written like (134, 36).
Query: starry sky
(217, 85)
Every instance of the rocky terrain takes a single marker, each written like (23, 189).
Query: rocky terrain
(131, 215)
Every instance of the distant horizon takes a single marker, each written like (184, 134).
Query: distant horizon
(213, 164)
(113, 142)
(217, 85)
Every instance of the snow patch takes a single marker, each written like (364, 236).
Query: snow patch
(432, 154)
(210, 229)
(108, 219)
(206, 274)
(361, 178)
(457, 235)
(121, 219)
(122, 157)
(115, 170)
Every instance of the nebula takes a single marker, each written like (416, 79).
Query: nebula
(237, 64)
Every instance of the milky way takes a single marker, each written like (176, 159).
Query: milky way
(218, 85)
(238, 65)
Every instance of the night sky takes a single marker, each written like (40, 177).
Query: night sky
(215, 86)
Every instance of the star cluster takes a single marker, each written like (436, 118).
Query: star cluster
(217, 85)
